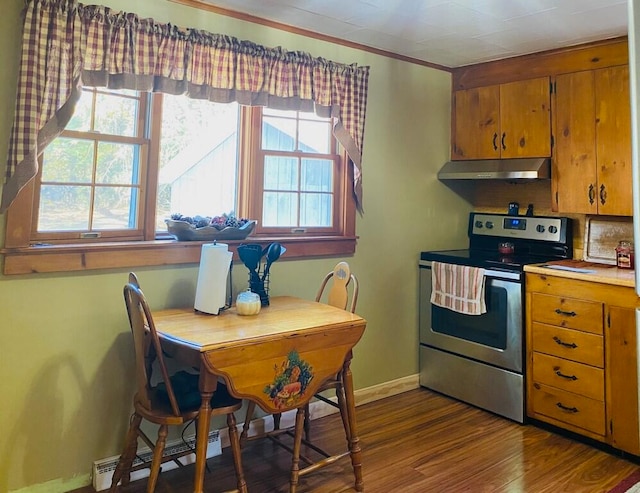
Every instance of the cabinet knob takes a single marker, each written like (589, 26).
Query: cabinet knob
(495, 138)
(504, 147)
(603, 194)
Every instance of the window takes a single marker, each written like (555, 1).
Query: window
(89, 183)
(198, 158)
(297, 170)
(128, 160)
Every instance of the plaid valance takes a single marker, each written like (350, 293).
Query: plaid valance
(67, 45)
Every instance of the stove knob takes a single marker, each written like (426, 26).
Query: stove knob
(478, 224)
(553, 230)
(489, 225)
(540, 228)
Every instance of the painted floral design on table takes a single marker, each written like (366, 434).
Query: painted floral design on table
(291, 380)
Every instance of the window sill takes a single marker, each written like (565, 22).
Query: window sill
(96, 256)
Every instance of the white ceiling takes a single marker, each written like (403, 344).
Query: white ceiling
(451, 33)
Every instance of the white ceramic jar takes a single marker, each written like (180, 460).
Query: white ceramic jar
(248, 303)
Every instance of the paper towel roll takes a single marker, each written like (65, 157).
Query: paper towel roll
(211, 290)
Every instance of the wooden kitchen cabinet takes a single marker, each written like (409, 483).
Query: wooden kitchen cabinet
(502, 121)
(582, 357)
(622, 385)
(593, 142)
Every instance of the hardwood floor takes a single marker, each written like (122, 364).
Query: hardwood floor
(420, 441)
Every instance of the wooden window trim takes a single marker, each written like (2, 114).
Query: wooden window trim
(251, 203)
(141, 140)
(23, 256)
(95, 256)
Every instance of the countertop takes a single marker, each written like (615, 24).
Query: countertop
(585, 271)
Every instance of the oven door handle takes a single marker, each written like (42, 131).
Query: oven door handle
(489, 273)
(502, 274)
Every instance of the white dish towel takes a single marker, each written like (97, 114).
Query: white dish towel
(458, 287)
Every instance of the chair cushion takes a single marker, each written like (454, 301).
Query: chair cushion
(185, 388)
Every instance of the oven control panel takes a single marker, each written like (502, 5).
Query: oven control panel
(551, 229)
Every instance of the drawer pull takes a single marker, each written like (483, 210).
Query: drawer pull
(568, 409)
(568, 377)
(559, 341)
(566, 314)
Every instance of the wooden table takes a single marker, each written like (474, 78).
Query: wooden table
(278, 358)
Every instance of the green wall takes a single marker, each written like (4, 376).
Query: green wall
(66, 356)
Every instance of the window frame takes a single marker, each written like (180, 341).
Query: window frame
(23, 255)
(253, 206)
(141, 139)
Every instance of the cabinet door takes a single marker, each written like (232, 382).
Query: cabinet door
(575, 151)
(476, 130)
(613, 130)
(525, 118)
(622, 379)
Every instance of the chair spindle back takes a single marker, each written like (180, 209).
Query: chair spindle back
(147, 345)
(338, 294)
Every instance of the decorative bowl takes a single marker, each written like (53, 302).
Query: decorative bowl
(184, 231)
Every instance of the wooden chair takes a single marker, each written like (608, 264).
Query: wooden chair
(338, 296)
(173, 401)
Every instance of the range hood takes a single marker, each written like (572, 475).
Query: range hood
(497, 169)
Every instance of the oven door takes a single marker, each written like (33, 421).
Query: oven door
(495, 337)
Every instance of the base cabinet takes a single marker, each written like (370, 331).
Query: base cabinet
(622, 385)
(582, 358)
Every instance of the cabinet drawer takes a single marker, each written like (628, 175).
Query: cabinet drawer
(568, 343)
(569, 375)
(567, 312)
(568, 407)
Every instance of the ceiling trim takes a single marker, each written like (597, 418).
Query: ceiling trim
(202, 5)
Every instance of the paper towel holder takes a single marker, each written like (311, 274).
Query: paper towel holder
(214, 284)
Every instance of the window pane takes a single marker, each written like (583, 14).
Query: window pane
(317, 175)
(198, 158)
(314, 137)
(115, 208)
(315, 209)
(64, 208)
(280, 209)
(81, 119)
(280, 173)
(116, 115)
(116, 164)
(68, 160)
(278, 134)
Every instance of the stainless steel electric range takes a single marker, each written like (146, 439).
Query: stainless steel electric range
(479, 359)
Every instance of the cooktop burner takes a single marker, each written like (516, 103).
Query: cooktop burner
(509, 242)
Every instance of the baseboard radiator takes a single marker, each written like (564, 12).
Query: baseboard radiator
(103, 469)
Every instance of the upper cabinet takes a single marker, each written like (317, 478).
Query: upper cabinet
(508, 120)
(593, 142)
